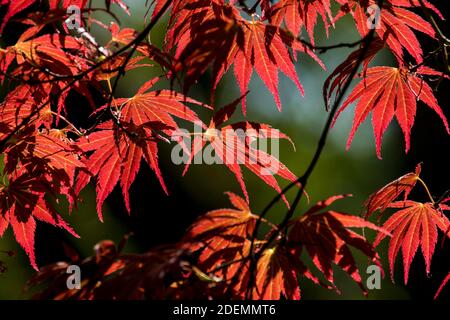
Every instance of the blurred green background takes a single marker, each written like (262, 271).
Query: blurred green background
(158, 219)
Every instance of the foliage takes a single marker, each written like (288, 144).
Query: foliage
(48, 154)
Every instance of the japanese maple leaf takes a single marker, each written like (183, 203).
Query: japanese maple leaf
(14, 7)
(53, 51)
(212, 33)
(22, 203)
(113, 275)
(381, 199)
(57, 54)
(396, 24)
(123, 36)
(19, 104)
(223, 235)
(327, 239)
(389, 92)
(63, 57)
(47, 153)
(232, 145)
(238, 222)
(277, 275)
(412, 225)
(119, 148)
(296, 14)
(117, 157)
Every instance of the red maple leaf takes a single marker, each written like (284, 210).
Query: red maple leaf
(396, 24)
(232, 145)
(14, 7)
(296, 14)
(223, 235)
(51, 63)
(327, 239)
(22, 202)
(381, 199)
(276, 275)
(18, 105)
(412, 225)
(117, 157)
(119, 147)
(212, 33)
(389, 92)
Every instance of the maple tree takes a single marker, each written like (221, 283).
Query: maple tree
(52, 151)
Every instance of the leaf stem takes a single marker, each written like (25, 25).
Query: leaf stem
(426, 189)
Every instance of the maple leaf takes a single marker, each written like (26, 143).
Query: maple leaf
(210, 25)
(14, 7)
(412, 225)
(117, 157)
(396, 24)
(122, 36)
(58, 53)
(327, 237)
(221, 235)
(51, 61)
(222, 238)
(381, 199)
(47, 154)
(125, 36)
(55, 53)
(233, 145)
(389, 92)
(22, 203)
(296, 14)
(118, 149)
(276, 275)
(161, 273)
(19, 104)
(238, 222)
(105, 261)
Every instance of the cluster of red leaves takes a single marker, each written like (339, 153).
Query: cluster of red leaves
(395, 26)
(111, 274)
(214, 33)
(223, 238)
(413, 224)
(389, 92)
(46, 156)
(212, 261)
(48, 67)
